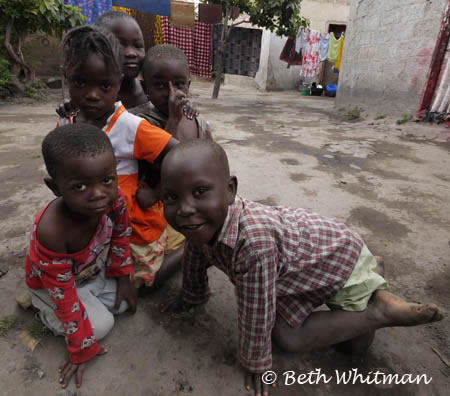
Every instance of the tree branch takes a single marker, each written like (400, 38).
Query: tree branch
(238, 23)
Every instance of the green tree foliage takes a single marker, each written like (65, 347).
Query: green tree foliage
(19, 18)
(279, 16)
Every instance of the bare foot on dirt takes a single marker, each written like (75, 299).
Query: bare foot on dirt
(380, 265)
(391, 310)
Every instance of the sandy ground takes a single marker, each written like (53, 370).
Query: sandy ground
(390, 182)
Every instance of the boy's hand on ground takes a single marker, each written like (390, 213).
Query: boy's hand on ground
(175, 303)
(68, 369)
(146, 196)
(177, 102)
(66, 108)
(125, 291)
(255, 381)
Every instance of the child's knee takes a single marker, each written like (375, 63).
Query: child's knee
(282, 336)
(102, 323)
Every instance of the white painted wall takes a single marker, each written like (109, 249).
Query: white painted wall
(387, 54)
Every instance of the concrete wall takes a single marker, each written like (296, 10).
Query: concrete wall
(387, 53)
(273, 73)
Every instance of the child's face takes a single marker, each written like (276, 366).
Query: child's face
(196, 195)
(130, 37)
(156, 81)
(88, 184)
(93, 88)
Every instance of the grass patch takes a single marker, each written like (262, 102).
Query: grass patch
(405, 118)
(37, 330)
(353, 114)
(7, 323)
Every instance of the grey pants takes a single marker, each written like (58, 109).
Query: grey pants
(98, 297)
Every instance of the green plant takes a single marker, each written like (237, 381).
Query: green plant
(353, 114)
(6, 323)
(19, 18)
(37, 330)
(380, 117)
(405, 118)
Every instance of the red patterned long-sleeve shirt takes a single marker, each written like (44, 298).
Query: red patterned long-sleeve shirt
(281, 260)
(60, 273)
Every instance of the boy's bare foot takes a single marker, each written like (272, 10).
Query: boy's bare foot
(390, 310)
(380, 265)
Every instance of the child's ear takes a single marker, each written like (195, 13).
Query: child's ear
(232, 189)
(51, 184)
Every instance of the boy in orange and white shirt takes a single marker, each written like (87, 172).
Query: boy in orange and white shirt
(92, 65)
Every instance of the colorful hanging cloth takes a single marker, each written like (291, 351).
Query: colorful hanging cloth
(301, 41)
(182, 14)
(128, 11)
(147, 23)
(339, 57)
(333, 49)
(310, 64)
(158, 36)
(209, 13)
(289, 55)
(324, 44)
(242, 52)
(91, 8)
(195, 43)
(160, 7)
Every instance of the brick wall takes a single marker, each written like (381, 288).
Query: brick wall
(387, 53)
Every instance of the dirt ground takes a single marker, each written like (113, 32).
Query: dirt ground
(389, 182)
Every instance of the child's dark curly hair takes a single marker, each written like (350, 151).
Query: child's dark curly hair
(75, 140)
(80, 42)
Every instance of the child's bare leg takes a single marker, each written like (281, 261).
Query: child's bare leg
(327, 328)
(380, 265)
(171, 263)
(361, 344)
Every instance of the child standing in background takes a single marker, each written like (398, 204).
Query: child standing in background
(92, 65)
(78, 263)
(167, 81)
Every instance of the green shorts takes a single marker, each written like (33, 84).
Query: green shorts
(363, 282)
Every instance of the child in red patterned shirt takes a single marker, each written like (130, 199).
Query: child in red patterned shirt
(78, 263)
(284, 262)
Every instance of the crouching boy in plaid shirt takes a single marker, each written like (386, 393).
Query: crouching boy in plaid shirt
(283, 262)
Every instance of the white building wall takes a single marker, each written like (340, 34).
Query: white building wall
(387, 54)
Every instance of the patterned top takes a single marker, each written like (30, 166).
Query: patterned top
(281, 260)
(59, 273)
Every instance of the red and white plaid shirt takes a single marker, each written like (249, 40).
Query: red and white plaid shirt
(281, 260)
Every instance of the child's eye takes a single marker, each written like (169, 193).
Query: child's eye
(200, 191)
(180, 84)
(106, 85)
(160, 85)
(107, 180)
(79, 187)
(78, 83)
(169, 197)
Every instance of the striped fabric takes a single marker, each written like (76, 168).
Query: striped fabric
(195, 43)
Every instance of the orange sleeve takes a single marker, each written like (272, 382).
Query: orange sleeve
(149, 142)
